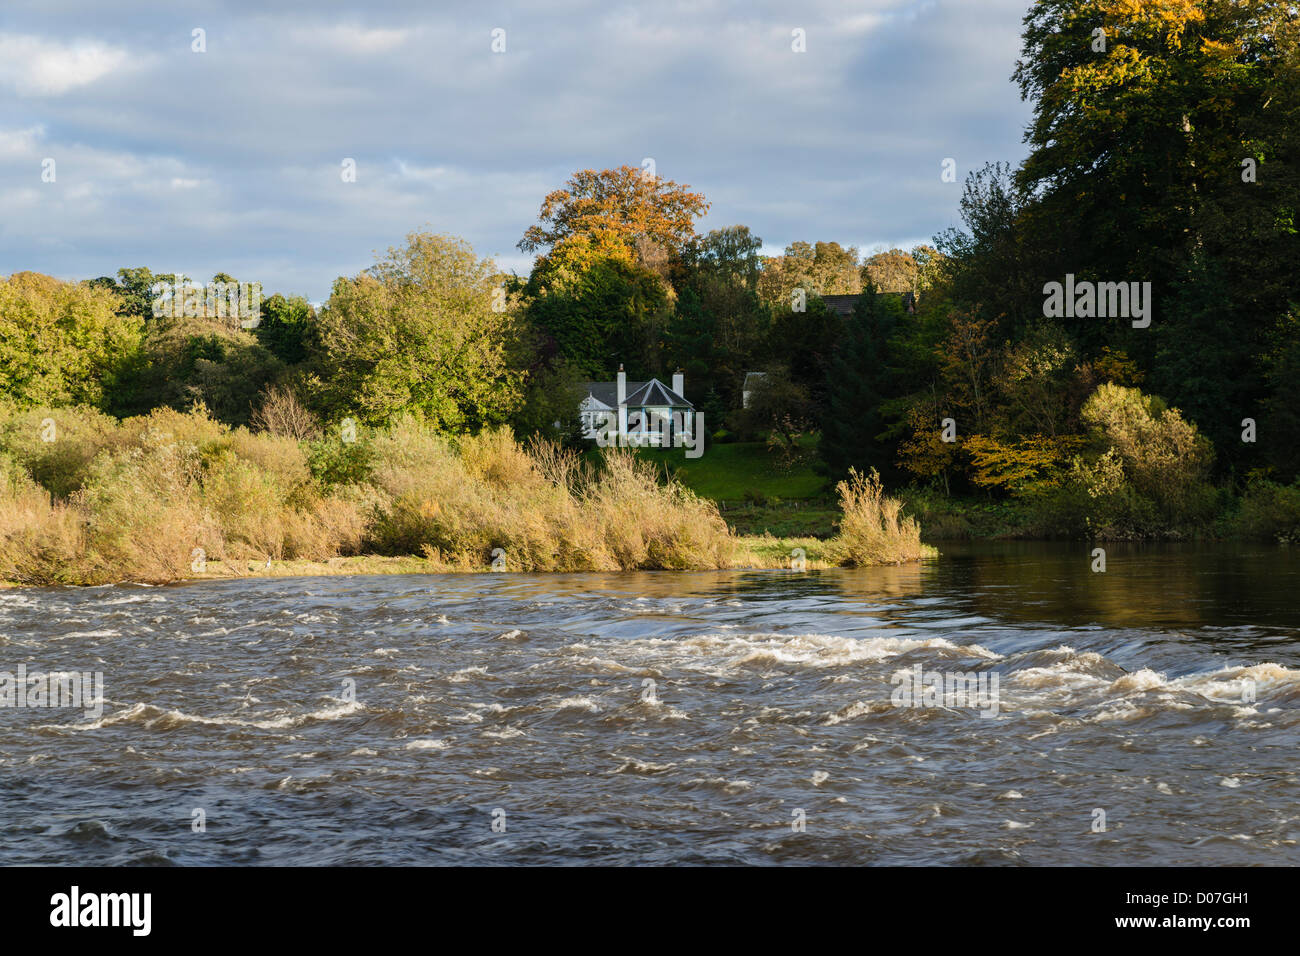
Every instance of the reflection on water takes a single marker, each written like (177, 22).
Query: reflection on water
(671, 718)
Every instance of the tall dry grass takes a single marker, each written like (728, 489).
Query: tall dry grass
(37, 536)
(100, 501)
(873, 530)
(85, 499)
(139, 500)
(459, 501)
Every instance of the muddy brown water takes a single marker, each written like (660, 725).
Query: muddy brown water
(677, 718)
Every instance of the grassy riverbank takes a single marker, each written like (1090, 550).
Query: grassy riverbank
(752, 552)
(86, 499)
(793, 501)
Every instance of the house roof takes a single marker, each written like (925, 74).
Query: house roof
(607, 392)
(843, 305)
(656, 393)
(653, 393)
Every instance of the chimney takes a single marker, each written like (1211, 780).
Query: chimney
(622, 406)
(679, 382)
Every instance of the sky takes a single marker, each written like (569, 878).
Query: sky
(233, 159)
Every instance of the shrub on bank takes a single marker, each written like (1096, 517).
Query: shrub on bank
(1270, 511)
(143, 515)
(133, 500)
(56, 445)
(1144, 476)
(106, 501)
(873, 529)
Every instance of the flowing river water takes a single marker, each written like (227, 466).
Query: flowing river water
(1149, 714)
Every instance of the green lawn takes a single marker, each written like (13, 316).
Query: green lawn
(755, 493)
(727, 473)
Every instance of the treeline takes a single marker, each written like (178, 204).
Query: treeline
(434, 331)
(1163, 151)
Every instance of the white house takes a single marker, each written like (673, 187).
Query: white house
(637, 413)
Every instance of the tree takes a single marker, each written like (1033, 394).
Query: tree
(925, 453)
(1137, 152)
(62, 343)
(804, 342)
(968, 362)
(609, 211)
(716, 332)
(988, 262)
(1041, 385)
(196, 359)
(286, 327)
(1279, 422)
(611, 313)
(780, 406)
(853, 426)
(135, 290)
(427, 329)
(898, 271)
(822, 268)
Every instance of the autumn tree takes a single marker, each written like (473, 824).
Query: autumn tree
(821, 268)
(1164, 149)
(615, 212)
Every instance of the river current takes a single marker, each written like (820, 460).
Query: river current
(1149, 714)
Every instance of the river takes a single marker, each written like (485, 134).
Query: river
(1149, 714)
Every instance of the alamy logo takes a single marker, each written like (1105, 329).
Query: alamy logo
(53, 689)
(103, 909)
(216, 300)
(1098, 300)
(977, 690)
(652, 430)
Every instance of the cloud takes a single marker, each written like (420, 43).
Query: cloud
(351, 38)
(229, 160)
(37, 66)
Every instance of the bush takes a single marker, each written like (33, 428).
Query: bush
(873, 530)
(1164, 457)
(56, 445)
(143, 516)
(1146, 476)
(1270, 511)
(39, 539)
(280, 413)
(334, 462)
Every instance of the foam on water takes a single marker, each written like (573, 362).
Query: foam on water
(657, 718)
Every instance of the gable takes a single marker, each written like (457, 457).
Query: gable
(655, 394)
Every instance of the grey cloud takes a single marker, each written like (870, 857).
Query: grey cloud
(229, 160)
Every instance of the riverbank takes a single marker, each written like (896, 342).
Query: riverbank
(1264, 512)
(758, 493)
(753, 553)
(88, 500)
